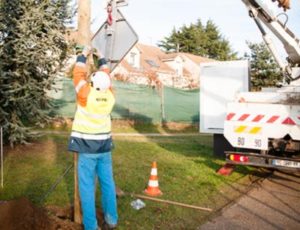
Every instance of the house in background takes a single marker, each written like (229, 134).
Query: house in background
(148, 65)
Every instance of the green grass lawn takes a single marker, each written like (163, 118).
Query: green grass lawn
(186, 172)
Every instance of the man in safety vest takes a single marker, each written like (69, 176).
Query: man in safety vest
(91, 138)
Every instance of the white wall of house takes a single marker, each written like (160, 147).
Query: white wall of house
(192, 67)
(119, 70)
(172, 80)
(177, 65)
(139, 79)
(166, 79)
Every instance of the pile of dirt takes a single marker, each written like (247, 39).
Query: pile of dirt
(22, 214)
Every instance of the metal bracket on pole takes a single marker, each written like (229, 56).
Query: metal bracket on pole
(110, 32)
(122, 3)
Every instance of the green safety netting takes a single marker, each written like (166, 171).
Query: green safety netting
(181, 105)
(137, 102)
(64, 97)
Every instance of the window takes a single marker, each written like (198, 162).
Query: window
(178, 67)
(152, 63)
(132, 59)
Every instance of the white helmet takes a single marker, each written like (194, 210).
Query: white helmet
(100, 80)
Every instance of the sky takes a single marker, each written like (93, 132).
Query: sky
(153, 20)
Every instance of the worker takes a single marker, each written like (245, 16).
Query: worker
(91, 138)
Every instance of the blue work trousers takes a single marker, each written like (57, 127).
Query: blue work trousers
(91, 165)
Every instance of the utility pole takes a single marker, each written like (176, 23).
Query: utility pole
(84, 22)
(83, 38)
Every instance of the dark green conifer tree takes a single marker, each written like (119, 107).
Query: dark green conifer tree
(265, 71)
(32, 48)
(199, 39)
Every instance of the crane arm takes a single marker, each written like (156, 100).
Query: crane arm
(261, 12)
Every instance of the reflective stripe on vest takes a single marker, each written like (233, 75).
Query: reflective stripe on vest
(79, 85)
(81, 64)
(91, 136)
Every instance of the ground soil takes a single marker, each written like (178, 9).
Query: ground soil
(23, 214)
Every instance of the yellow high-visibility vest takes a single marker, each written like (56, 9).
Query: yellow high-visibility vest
(94, 118)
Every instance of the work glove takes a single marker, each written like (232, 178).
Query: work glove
(98, 58)
(97, 53)
(82, 50)
(86, 50)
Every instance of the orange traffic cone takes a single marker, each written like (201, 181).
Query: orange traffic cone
(153, 189)
(226, 170)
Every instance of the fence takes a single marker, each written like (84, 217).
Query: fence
(138, 102)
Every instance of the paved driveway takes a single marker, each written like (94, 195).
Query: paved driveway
(273, 203)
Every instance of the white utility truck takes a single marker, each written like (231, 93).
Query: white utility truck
(262, 128)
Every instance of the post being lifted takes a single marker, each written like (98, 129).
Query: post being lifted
(2, 164)
(84, 22)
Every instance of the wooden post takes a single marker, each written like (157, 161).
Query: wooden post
(173, 202)
(84, 21)
(2, 164)
(77, 204)
(162, 104)
(83, 38)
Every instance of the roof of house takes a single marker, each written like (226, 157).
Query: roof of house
(151, 58)
(197, 59)
(169, 56)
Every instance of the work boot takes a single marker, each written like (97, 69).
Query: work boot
(107, 226)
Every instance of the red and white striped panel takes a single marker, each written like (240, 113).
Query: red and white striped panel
(263, 119)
